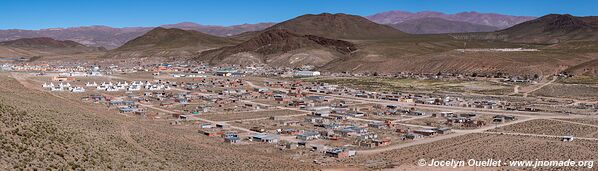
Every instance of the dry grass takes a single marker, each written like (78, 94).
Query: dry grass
(394, 84)
(42, 132)
(591, 121)
(483, 147)
(569, 91)
(45, 130)
(550, 127)
(592, 80)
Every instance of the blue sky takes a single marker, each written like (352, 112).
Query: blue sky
(37, 14)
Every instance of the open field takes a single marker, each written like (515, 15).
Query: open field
(482, 146)
(408, 84)
(184, 145)
(580, 80)
(73, 136)
(575, 91)
(590, 121)
(551, 127)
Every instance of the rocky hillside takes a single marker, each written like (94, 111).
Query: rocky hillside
(281, 47)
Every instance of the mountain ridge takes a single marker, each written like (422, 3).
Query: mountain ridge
(43, 46)
(431, 25)
(490, 19)
(111, 37)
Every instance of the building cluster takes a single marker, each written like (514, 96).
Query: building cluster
(63, 87)
(133, 86)
(430, 99)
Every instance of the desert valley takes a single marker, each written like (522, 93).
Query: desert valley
(315, 92)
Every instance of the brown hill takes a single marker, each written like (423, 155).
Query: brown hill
(390, 54)
(438, 25)
(549, 29)
(553, 28)
(440, 53)
(337, 26)
(41, 42)
(587, 68)
(43, 46)
(283, 48)
(162, 42)
(513, 63)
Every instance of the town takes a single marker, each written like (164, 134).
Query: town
(488, 85)
(292, 109)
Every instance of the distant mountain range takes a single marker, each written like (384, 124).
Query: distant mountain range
(219, 30)
(489, 19)
(429, 22)
(41, 42)
(110, 38)
(350, 43)
(28, 47)
(432, 25)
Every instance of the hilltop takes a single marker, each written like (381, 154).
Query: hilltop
(304, 40)
(337, 26)
(553, 28)
(163, 42)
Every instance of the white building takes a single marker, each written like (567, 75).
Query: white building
(306, 73)
(78, 90)
(45, 85)
(94, 84)
(134, 88)
(57, 88)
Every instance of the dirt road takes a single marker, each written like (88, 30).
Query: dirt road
(535, 88)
